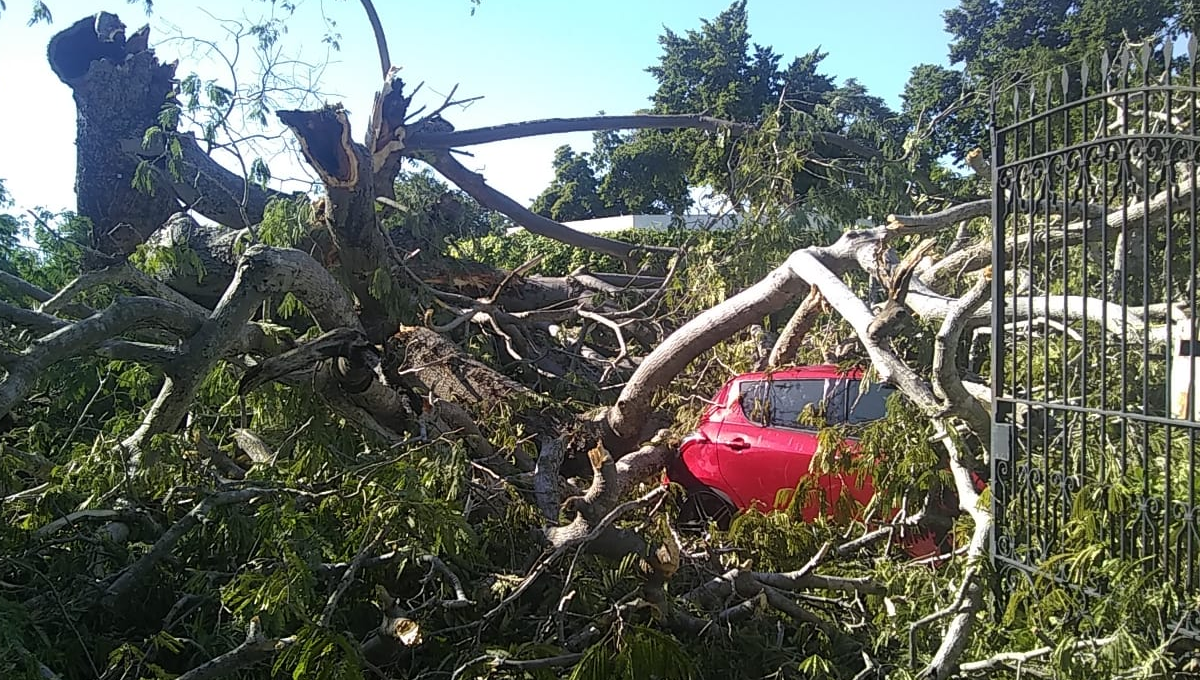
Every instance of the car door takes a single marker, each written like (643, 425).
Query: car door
(854, 405)
(765, 447)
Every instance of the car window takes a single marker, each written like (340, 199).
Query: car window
(782, 403)
(862, 406)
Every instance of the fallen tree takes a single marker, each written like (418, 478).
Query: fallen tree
(349, 461)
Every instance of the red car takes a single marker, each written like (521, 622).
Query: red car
(752, 447)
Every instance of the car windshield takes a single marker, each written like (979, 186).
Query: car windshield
(809, 402)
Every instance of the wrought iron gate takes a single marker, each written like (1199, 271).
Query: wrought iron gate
(1094, 351)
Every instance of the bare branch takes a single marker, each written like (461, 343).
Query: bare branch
(474, 184)
(1018, 659)
(553, 126)
(793, 334)
(941, 219)
(958, 632)
(385, 57)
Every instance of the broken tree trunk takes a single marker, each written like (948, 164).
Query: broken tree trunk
(120, 89)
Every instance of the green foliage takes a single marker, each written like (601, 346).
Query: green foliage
(573, 194)
(638, 653)
(434, 215)
(168, 261)
(286, 222)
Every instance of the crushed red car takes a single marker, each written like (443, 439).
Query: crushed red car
(751, 449)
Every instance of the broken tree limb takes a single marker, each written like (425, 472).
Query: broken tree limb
(553, 126)
(796, 329)
(333, 344)
(119, 87)
(474, 184)
(263, 271)
(82, 336)
(345, 168)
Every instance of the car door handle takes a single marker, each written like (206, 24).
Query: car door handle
(738, 444)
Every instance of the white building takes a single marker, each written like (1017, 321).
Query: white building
(664, 222)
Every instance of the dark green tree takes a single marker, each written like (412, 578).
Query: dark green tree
(999, 42)
(573, 194)
(828, 134)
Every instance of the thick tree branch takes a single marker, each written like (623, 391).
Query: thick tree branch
(122, 274)
(474, 184)
(262, 272)
(702, 333)
(85, 335)
(947, 381)
(942, 218)
(553, 126)
(19, 287)
(38, 322)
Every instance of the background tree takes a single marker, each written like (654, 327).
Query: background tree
(837, 139)
(573, 194)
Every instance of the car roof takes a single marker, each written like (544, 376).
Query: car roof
(817, 372)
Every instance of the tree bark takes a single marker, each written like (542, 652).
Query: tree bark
(120, 87)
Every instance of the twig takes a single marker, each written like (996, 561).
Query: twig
(1019, 658)
(347, 579)
(83, 414)
(544, 563)
(460, 595)
(257, 647)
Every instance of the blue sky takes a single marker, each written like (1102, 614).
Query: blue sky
(527, 58)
